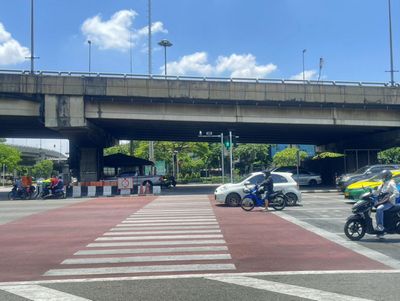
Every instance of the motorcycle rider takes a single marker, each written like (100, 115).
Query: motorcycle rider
(267, 186)
(388, 186)
(53, 184)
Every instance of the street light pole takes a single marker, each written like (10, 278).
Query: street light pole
(231, 154)
(391, 45)
(32, 41)
(90, 54)
(165, 43)
(304, 76)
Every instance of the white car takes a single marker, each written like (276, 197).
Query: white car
(232, 194)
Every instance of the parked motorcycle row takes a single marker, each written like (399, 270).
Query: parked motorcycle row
(41, 191)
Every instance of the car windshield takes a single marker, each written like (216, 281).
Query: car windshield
(362, 170)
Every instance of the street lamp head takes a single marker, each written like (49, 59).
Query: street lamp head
(304, 50)
(165, 43)
(89, 42)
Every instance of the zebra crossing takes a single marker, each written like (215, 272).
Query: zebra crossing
(169, 235)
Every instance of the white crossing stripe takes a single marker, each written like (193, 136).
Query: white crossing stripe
(151, 218)
(157, 237)
(147, 258)
(40, 293)
(141, 269)
(160, 232)
(124, 227)
(286, 289)
(171, 214)
(151, 250)
(157, 243)
(168, 224)
(174, 211)
(135, 221)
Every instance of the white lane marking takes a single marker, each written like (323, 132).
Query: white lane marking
(353, 246)
(174, 210)
(147, 258)
(317, 209)
(323, 217)
(141, 269)
(144, 221)
(173, 217)
(157, 243)
(152, 250)
(157, 237)
(124, 227)
(194, 276)
(160, 232)
(167, 224)
(286, 289)
(40, 293)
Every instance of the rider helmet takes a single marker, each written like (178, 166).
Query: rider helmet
(386, 175)
(266, 173)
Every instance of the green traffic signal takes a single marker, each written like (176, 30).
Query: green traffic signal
(227, 145)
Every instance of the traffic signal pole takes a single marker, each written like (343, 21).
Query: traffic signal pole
(231, 155)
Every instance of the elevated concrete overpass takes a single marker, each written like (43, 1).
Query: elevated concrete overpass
(93, 110)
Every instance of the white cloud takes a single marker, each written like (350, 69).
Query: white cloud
(117, 32)
(195, 63)
(308, 75)
(235, 65)
(11, 52)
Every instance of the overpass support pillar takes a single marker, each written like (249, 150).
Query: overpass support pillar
(91, 164)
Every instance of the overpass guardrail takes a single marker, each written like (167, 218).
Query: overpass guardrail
(198, 78)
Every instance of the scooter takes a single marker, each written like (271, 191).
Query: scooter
(360, 222)
(277, 200)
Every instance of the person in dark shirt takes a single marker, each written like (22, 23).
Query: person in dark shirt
(267, 186)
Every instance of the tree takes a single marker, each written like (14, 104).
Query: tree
(288, 157)
(9, 156)
(325, 155)
(2, 140)
(252, 156)
(391, 155)
(42, 169)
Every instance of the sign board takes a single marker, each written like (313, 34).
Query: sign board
(160, 168)
(125, 183)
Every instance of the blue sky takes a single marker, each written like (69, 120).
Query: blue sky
(230, 38)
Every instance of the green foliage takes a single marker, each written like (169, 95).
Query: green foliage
(9, 156)
(391, 155)
(251, 157)
(2, 140)
(288, 157)
(43, 169)
(325, 155)
(116, 149)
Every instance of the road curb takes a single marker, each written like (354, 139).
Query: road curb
(319, 191)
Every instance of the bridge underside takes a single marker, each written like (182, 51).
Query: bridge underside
(248, 132)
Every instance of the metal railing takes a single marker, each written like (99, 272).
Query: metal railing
(197, 78)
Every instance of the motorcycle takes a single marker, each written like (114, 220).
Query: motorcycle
(253, 199)
(23, 193)
(46, 193)
(168, 182)
(360, 222)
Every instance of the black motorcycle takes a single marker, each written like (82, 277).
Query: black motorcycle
(360, 222)
(23, 193)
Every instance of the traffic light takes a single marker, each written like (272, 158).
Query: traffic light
(227, 142)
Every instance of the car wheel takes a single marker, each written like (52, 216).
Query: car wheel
(312, 183)
(233, 200)
(291, 199)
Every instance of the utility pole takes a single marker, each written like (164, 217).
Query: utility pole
(149, 42)
(391, 46)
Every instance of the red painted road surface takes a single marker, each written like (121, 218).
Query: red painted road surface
(261, 241)
(32, 245)
(257, 241)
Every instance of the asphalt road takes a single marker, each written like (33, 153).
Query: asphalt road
(300, 253)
